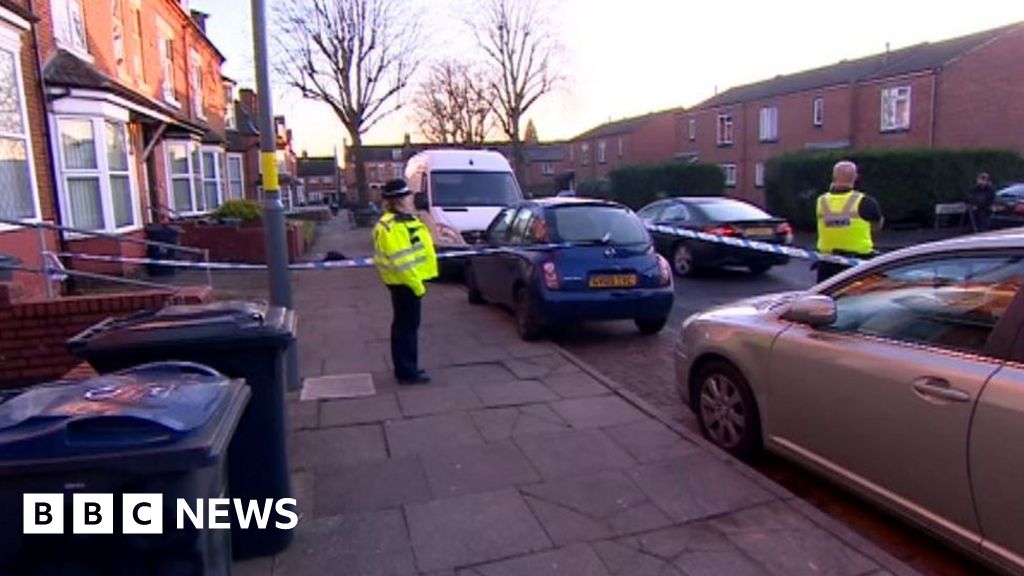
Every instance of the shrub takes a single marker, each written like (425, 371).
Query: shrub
(594, 189)
(636, 186)
(907, 183)
(244, 210)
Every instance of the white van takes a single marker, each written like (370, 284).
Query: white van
(459, 192)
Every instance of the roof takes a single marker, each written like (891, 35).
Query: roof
(559, 201)
(19, 10)
(919, 58)
(314, 166)
(625, 125)
(459, 159)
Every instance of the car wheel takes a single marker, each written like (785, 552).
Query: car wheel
(759, 269)
(472, 291)
(682, 260)
(526, 322)
(650, 325)
(726, 410)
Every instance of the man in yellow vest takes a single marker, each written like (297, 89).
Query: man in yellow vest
(846, 220)
(404, 256)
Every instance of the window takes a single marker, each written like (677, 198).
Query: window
(724, 129)
(166, 46)
(547, 168)
(675, 212)
(596, 224)
(137, 68)
(69, 25)
(896, 109)
(585, 153)
(461, 189)
(730, 174)
(118, 34)
(396, 154)
(572, 153)
(520, 226)
(691, 129)
(759, 175)
(818, 112)
(17, 190)
(196, 84)
(622, 147)
(602, 153)
(498, 231)
(951, 302)
(652, 212)
(236, 180)
(96, 173)
(195, 174)
(213, 179)
(396, 170)
(769, 124)
(230, 122)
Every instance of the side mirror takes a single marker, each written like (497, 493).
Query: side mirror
(420, 199)
(814, 311)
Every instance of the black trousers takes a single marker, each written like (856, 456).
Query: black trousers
(405, 327)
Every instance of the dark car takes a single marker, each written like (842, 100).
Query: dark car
(1008, 207)
(604, 266)
(719, 216)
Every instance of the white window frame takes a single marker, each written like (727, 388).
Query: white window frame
(691, 129)
(196, 177)
(890, 99)
(195, 79)
(768, 124)
(69, 26)
(585, 153)
(759, 175)
(233, 193)
(10, 41)
(725, 129)
(602, 152)
(818, 111)
(102, 172)
(217, 178)
(731, 174)
(547, 168)
(230, 120)
(165, 47)
(117, 37)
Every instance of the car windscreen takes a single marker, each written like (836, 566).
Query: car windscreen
(731, 211)
(461, 189)
(596, 225)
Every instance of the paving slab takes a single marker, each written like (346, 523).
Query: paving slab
(598, 412)
(334, 446)
(473, 529)
(369, 544)
(623, 560)
(359, 410)
(504, 423)
(370, 486)
(427, 400)
(514, 393)
(575, 385)
(577, 560)
(696, 550)
(573, 453)
(303, 415)
(697, 486)
(650, 441)
(477, 374)
(458, 470)
(539, 366)
(422, 435)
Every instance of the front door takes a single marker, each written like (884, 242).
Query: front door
(884, 396)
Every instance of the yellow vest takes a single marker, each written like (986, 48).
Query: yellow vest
(403, 252)
(840, 226)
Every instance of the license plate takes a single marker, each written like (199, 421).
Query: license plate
(760, 232)
(613, 281)
(998, 208)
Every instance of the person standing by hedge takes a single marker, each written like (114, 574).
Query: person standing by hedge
(979, 202)
(405, 258)
(846, 220)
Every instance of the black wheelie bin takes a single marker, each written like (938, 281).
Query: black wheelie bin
(240, 340)
(161, 431)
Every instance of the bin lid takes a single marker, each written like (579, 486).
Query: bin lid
(155, 409)
(181, 324)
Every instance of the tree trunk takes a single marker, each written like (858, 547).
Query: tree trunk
(362, 188)
(519, 162)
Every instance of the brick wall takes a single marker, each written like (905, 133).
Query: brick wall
(33, 334)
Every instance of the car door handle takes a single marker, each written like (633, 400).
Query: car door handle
(939, 389)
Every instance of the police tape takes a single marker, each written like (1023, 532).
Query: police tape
(365, 262)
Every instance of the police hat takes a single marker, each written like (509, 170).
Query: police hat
(395, 189)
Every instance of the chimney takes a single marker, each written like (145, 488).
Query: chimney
(200, 19)
(407, 142)
(247, 96)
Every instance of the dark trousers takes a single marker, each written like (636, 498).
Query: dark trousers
(827, 270)
(404, 328)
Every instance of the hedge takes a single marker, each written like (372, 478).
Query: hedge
(907, 183)
(637, 186)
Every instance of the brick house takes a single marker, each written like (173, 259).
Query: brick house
(646, 139)
(958, 93)
(321, 177)
(26, 191)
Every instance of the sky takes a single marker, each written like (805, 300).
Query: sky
(621, 59)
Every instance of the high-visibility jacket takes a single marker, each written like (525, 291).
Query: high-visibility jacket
(840, 227)
(404, 252)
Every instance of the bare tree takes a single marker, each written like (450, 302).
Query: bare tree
(519, 47)
(354, 55)
(451, 106)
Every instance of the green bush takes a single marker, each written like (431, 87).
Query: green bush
(244, 210)
(907, 183)
(594, 189)
(636, 186)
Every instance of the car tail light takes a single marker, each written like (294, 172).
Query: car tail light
(550, 272)
(786, 230)
(1018, 208)
(722, 231)
(664, 271)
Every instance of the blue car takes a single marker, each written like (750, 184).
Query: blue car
(604, 266)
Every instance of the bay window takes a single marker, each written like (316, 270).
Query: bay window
(196, 176)
(96, 176)
(18, 199)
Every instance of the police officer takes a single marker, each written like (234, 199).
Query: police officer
(404, 256)
(846, 220)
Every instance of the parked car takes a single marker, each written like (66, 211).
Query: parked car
(603, 269)
(720, 216)
(1008, 208)
(902, 379)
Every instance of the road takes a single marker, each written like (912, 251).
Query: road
(644, 365)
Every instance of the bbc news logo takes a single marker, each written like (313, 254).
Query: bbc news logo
(143, 513)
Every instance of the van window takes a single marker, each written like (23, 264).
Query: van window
(459, 189)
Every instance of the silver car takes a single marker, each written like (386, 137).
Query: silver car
(902, 379)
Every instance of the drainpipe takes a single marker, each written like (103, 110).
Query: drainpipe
(935, 106)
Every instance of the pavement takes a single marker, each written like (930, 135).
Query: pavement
(518, 459)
